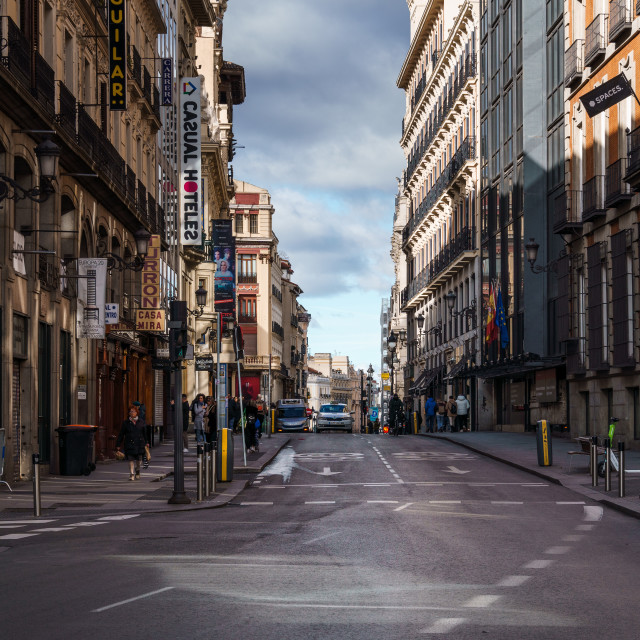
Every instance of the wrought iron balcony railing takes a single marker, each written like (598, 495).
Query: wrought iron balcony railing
(596, 39)
(574, 63)
(593, 199)
(616, 188)
(620, 18)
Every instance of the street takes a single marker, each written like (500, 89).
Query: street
(342, 536)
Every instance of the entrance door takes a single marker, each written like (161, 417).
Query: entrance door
(44, 391)
(15, 419)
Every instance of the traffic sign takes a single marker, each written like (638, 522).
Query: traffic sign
(384, 375)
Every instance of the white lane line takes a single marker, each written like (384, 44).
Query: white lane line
(256, 504)
(27, 521)
(378, 484)
(570, 502)
(52, 529)
(404, 506)
(593, 514)
(118, 604)
(538, 564)
(11, 526)
(482, 484)
(275, 487)
(444, 625)
(84, 524)
(585, 527)
(535, 485)
(320, 502)
(556, 551)
(513, 581)
(382, 502)
(335, 533)
(445, 501)
(505, 502)
(572, 538)
(123, 517)
(17, 536)
(482, 601)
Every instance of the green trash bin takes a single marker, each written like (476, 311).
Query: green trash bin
(75, 448)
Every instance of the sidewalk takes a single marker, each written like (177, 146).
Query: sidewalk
(520, 450)
(108, 490)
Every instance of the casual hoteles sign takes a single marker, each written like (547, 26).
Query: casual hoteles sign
(150, 316)
(190, 162)
(607, 95)
(117, 55)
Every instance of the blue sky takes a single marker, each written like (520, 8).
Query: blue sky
(321, 127)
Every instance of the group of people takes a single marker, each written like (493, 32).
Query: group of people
(452, 414)
(202, 411)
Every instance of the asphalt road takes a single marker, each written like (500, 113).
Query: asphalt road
(342, 536)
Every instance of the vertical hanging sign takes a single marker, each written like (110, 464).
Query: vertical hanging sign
(150, 316)
(167, 82)
(92, 290)
(117, 55)
(190, 162)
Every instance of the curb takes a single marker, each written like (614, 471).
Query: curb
(606, 501)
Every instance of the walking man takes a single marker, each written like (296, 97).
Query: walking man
(185, 423)
(430, 407)
(462, 406)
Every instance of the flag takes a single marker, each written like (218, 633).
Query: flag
(501, 321)
(491, 329)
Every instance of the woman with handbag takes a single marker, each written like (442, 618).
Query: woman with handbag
(132, 438)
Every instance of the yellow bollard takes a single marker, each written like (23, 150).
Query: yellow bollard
(273, 420)
(415, 423)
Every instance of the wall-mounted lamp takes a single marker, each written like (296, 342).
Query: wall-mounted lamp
(141, 237)
(451, 303)
(48, 154)
(201, 301)
(532, 255)
(436, 330)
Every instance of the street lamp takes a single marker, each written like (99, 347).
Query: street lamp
(114, 261)
(201, 301)
(451, 303)
(48, 154)
(532, 255)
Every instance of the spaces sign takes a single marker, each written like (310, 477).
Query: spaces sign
(607, 95)
(117, 55)
(190, 163)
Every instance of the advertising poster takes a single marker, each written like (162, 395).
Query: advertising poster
(224, 281)
(92, 291)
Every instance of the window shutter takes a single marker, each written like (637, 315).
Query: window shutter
(595, 291)
(620, 299)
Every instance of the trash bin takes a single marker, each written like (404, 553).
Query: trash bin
(224, 456)
(75, 448)
(543, 439)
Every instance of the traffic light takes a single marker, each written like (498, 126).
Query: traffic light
(238, 342)
(178, 333)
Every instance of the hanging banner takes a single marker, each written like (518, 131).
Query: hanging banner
(150, 316)
(190, 163)
(607, 95)
(117, 55)
(224, 280)
(92, 289)
(167, 82)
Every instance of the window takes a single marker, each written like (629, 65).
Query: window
(253, 223)
(247, 267)
(555, 75)
(507, 121)
(247, 309)
(239, 222)
(20, 334)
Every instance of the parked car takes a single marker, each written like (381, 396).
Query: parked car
(334, 416)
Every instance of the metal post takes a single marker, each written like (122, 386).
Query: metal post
(199, 474)
(594, 461)
(219, 386)
(244, 449)
(607, 465)
(36, 485)
(362, 416)
(207, 469)
(270, 422)
(621, 470)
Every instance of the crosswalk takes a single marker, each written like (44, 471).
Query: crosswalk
(28, 528)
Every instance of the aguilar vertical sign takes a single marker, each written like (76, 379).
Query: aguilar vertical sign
(190, 162)
(117, 55)
(150, 316)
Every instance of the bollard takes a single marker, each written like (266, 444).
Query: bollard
(607, 464)
(199, 461)
(621, 470)
(207, 465)
(36, 484)
(212, 470)
(594, 461)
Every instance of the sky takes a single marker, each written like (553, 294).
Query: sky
(320, 128)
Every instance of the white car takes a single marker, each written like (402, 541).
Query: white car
(334, 416)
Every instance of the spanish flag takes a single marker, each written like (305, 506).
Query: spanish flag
(491, 332)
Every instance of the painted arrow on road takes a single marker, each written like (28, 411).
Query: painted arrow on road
(456, 470)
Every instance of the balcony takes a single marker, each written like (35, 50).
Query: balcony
(67, 111)
(243, 319)
(620, 19)
(633, 159)
(616, 189)
(596, 40)
(261, 362)
(566, 212)
(574, 64)
(593, 199)
(247, 278)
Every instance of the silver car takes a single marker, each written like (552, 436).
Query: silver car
(334, 416)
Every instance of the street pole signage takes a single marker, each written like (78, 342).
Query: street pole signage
(151, 316)
(117, 55)
(204, 363)
(92, 289)
(607, 95)
(190, 162)
(167, 82)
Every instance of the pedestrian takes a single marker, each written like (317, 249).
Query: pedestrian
(441, 415)
(185, 423)
(452, 410)
(132, 439)
(210, 426)
(430, 407)
(233, 412)
(462, 408)
(396, 413)
(251, 414)
(198, 409)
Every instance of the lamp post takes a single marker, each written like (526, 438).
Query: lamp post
(369, 382)
(392, 343)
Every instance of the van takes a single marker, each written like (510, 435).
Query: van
(291, 415)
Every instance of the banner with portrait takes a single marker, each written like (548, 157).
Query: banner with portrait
(224, 281)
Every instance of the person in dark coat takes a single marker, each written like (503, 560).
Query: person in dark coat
(396, 414)
(185, 423)
(233, 412)
(132, 438)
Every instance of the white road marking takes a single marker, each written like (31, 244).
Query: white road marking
(513, 581)
(84, 524)
(482, 601)
(256, 504)
(570, 502)
(17, 536)
(279, 487)
(321, 502)
(27, 521)
(52, 529)
(118, 604)
(593, 514)
(538, 564)
(382, 501)
(534, 485)
(556, 551)
(377, 484)
(444, 625)
(123, 517)
(456, 470)
(585, 527)
(505, 502)
(11, 526)
(335, 533)
(404, 506)
(445, 501)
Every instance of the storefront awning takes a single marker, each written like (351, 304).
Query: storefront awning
(455, 370)
(414, 389)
